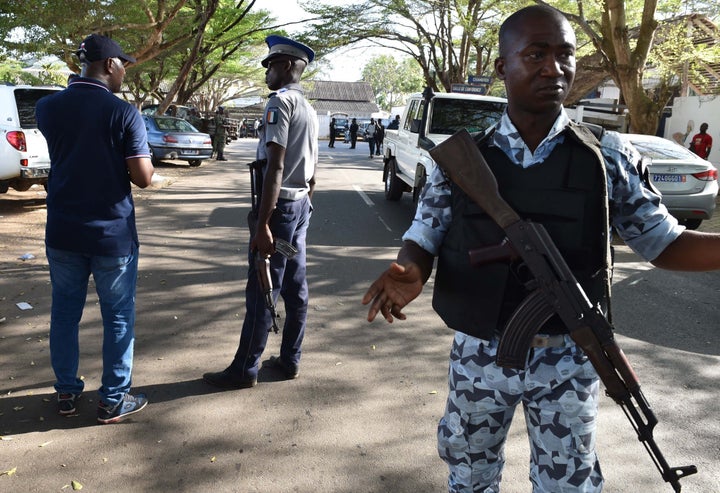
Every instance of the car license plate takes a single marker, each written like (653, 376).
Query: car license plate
(670, 178)
(192, 152)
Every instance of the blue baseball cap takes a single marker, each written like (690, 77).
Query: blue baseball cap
(280, 45)
(96, 47)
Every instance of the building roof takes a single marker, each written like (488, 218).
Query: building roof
(349, 107)
(324, 90)
(353, 98)
(591, 72)
(704, 32)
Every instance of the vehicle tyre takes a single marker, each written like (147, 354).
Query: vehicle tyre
(153, 159)
(422, 179)
(195, 162)
(393, 185)
(691, 223)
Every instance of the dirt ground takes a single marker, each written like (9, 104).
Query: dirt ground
(22, 214)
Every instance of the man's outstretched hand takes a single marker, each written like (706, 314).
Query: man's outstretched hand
(395, 288)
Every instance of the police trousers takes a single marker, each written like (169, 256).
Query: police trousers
(559, 392)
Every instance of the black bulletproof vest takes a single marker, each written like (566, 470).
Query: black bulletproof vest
(567, 194)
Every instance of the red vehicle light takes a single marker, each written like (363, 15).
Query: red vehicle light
(709, 175)
(17, 140)
(24, 162)
(170, 138)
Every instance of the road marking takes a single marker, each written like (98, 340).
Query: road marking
(364, 196)
(384, 224)
(370, 203)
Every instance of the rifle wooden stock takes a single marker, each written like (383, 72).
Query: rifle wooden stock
(458, 156)
(554, 290)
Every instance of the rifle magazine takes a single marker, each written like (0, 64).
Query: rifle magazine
(520, 329)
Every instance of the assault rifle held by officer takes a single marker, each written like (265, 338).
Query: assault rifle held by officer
(262, 264)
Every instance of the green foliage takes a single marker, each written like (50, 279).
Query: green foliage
(14, 72)
(448, 39)
(180, 44)
(390, 79)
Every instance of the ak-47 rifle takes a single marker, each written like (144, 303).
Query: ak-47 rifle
(262, 264)
(554, 290)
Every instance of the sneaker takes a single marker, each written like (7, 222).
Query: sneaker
(66, 403)
(130, 404)
(290, 372)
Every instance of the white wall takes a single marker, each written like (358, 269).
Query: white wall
(688, 114)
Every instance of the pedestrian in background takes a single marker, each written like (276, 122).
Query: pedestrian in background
(369, 135)
(544, 163)
(220, 134)
(288, 144)
(90, 226)
(379, 138)
(701, 143)
(332, 133)
(395, 124)
(194, 119)
(353, 132)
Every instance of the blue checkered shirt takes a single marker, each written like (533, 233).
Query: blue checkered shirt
(637, 215)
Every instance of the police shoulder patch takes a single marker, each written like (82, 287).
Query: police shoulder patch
(271, 117)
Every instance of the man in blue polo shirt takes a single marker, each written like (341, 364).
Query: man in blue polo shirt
(98, 146)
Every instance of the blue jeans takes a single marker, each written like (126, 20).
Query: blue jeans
(115, 282)
(289, 221)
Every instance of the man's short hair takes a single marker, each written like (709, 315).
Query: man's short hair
(512, 23)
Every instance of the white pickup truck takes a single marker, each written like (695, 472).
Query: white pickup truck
(24, 159)
(427, 120)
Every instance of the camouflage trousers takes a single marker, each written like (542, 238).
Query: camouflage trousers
(558, 390)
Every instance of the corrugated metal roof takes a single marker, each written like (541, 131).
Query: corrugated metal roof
(324, 90)
(352, 108)
(353, 98)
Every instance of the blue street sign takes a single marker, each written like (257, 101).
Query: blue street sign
(468, 89)
(480, 80)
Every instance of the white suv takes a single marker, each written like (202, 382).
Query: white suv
(24, 159)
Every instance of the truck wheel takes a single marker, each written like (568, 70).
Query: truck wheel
(422, 179)
(393, 185)
(691, 223)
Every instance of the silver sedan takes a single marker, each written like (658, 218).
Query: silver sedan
(688, 183)
(174, 138)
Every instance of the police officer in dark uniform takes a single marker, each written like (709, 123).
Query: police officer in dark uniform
(288, 142)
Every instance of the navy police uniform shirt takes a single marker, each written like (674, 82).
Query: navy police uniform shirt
(90, 133)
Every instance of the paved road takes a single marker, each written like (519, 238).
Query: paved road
(362, 415)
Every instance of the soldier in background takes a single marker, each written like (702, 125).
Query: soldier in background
(194, 119)
(220, 134)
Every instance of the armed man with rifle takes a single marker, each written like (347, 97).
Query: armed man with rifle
(526, 283)
(286, 158)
